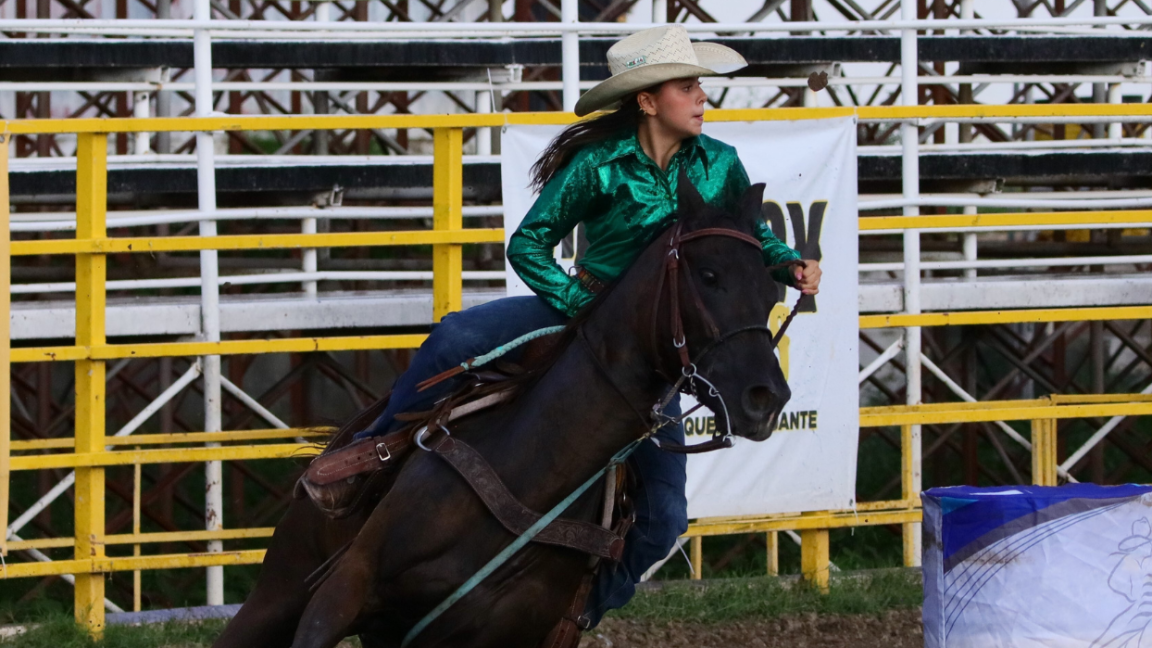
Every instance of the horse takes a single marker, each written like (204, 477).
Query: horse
(690, 310)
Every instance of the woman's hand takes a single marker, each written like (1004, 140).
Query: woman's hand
(808, 277)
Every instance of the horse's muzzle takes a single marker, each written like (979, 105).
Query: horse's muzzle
(761, 406)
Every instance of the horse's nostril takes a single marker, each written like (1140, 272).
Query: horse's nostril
(758, 400)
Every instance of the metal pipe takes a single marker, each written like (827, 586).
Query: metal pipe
(970, 245)
(1033, 145)
(308, 261)
(1054, 119)
(250, 28)
(483, 105)
(35, 222)
(253, 404)
(641, 12)
(321, 14)
(391, 86)
(1115, 129)
(910, 141)
(1070, 203)
(1099, 92)
(263, 278)
(1006, 228)
(967, 12)
(164, 109)
(1013, 263)
(659, 11)
(209, 295)
(140, 110)
(570, 53)
(891, 352)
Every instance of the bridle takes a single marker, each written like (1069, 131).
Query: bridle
(690, 377)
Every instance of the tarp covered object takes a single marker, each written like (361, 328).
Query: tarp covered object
(1038, 566)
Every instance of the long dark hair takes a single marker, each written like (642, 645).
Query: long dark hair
(560, 151)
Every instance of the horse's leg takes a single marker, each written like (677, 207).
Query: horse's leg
(268, 618)
(330, 614)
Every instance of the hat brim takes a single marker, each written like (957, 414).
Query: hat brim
(715, 59)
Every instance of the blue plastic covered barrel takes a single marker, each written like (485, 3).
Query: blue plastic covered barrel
(1038, 566)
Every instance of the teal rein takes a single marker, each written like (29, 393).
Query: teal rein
(519, 542)
(505, 348)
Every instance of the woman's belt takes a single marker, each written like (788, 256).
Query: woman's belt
(589, 280)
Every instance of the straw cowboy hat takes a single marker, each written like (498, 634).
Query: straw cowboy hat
(653, 56)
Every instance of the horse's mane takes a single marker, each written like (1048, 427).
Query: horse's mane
(536, 367)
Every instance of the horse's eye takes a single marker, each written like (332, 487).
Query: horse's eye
(708, 277)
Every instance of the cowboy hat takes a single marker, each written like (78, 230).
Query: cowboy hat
(653, 56)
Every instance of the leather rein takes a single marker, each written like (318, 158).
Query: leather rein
(690, 377)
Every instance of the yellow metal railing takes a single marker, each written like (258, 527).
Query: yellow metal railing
(91, 350)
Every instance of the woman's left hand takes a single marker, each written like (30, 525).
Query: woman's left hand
(808, 277)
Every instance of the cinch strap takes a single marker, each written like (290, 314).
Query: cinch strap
(516, 545)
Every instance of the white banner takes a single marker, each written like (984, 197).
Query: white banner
(810, 462)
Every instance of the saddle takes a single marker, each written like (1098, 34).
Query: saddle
(351, 473)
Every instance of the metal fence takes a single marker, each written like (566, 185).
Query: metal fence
(92, 449)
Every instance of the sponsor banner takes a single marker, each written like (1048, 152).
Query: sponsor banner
(809, 464)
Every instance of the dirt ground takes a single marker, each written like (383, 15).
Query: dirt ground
(894, 629)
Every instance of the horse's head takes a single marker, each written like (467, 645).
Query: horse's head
(723, 297)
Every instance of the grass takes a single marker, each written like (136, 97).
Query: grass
(761, 597)
(719, 601)
(59, 631)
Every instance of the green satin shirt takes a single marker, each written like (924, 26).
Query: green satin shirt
(624, 200)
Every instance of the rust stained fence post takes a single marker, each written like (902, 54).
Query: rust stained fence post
(772, 542)
(5, 344)
(447, 214)
(91, 201)
(696, 547)
(910, 493)
(814, 561)
(1044, 452)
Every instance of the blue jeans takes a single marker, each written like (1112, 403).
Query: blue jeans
(661, 507)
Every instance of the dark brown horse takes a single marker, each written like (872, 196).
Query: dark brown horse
(430, 533)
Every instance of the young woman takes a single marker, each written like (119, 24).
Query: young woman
(617, 175)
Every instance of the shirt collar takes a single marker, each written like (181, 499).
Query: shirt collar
(629, 145)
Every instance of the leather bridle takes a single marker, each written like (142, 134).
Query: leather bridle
(673, 262)
(687, 382)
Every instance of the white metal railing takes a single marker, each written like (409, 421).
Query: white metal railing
(64, 221)
(169, 28)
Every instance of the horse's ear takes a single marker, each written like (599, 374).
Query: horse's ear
(752, 202)
(689, 201)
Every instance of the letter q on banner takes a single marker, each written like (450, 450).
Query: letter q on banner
(809, 463)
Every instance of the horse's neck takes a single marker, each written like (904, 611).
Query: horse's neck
(580, 414)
